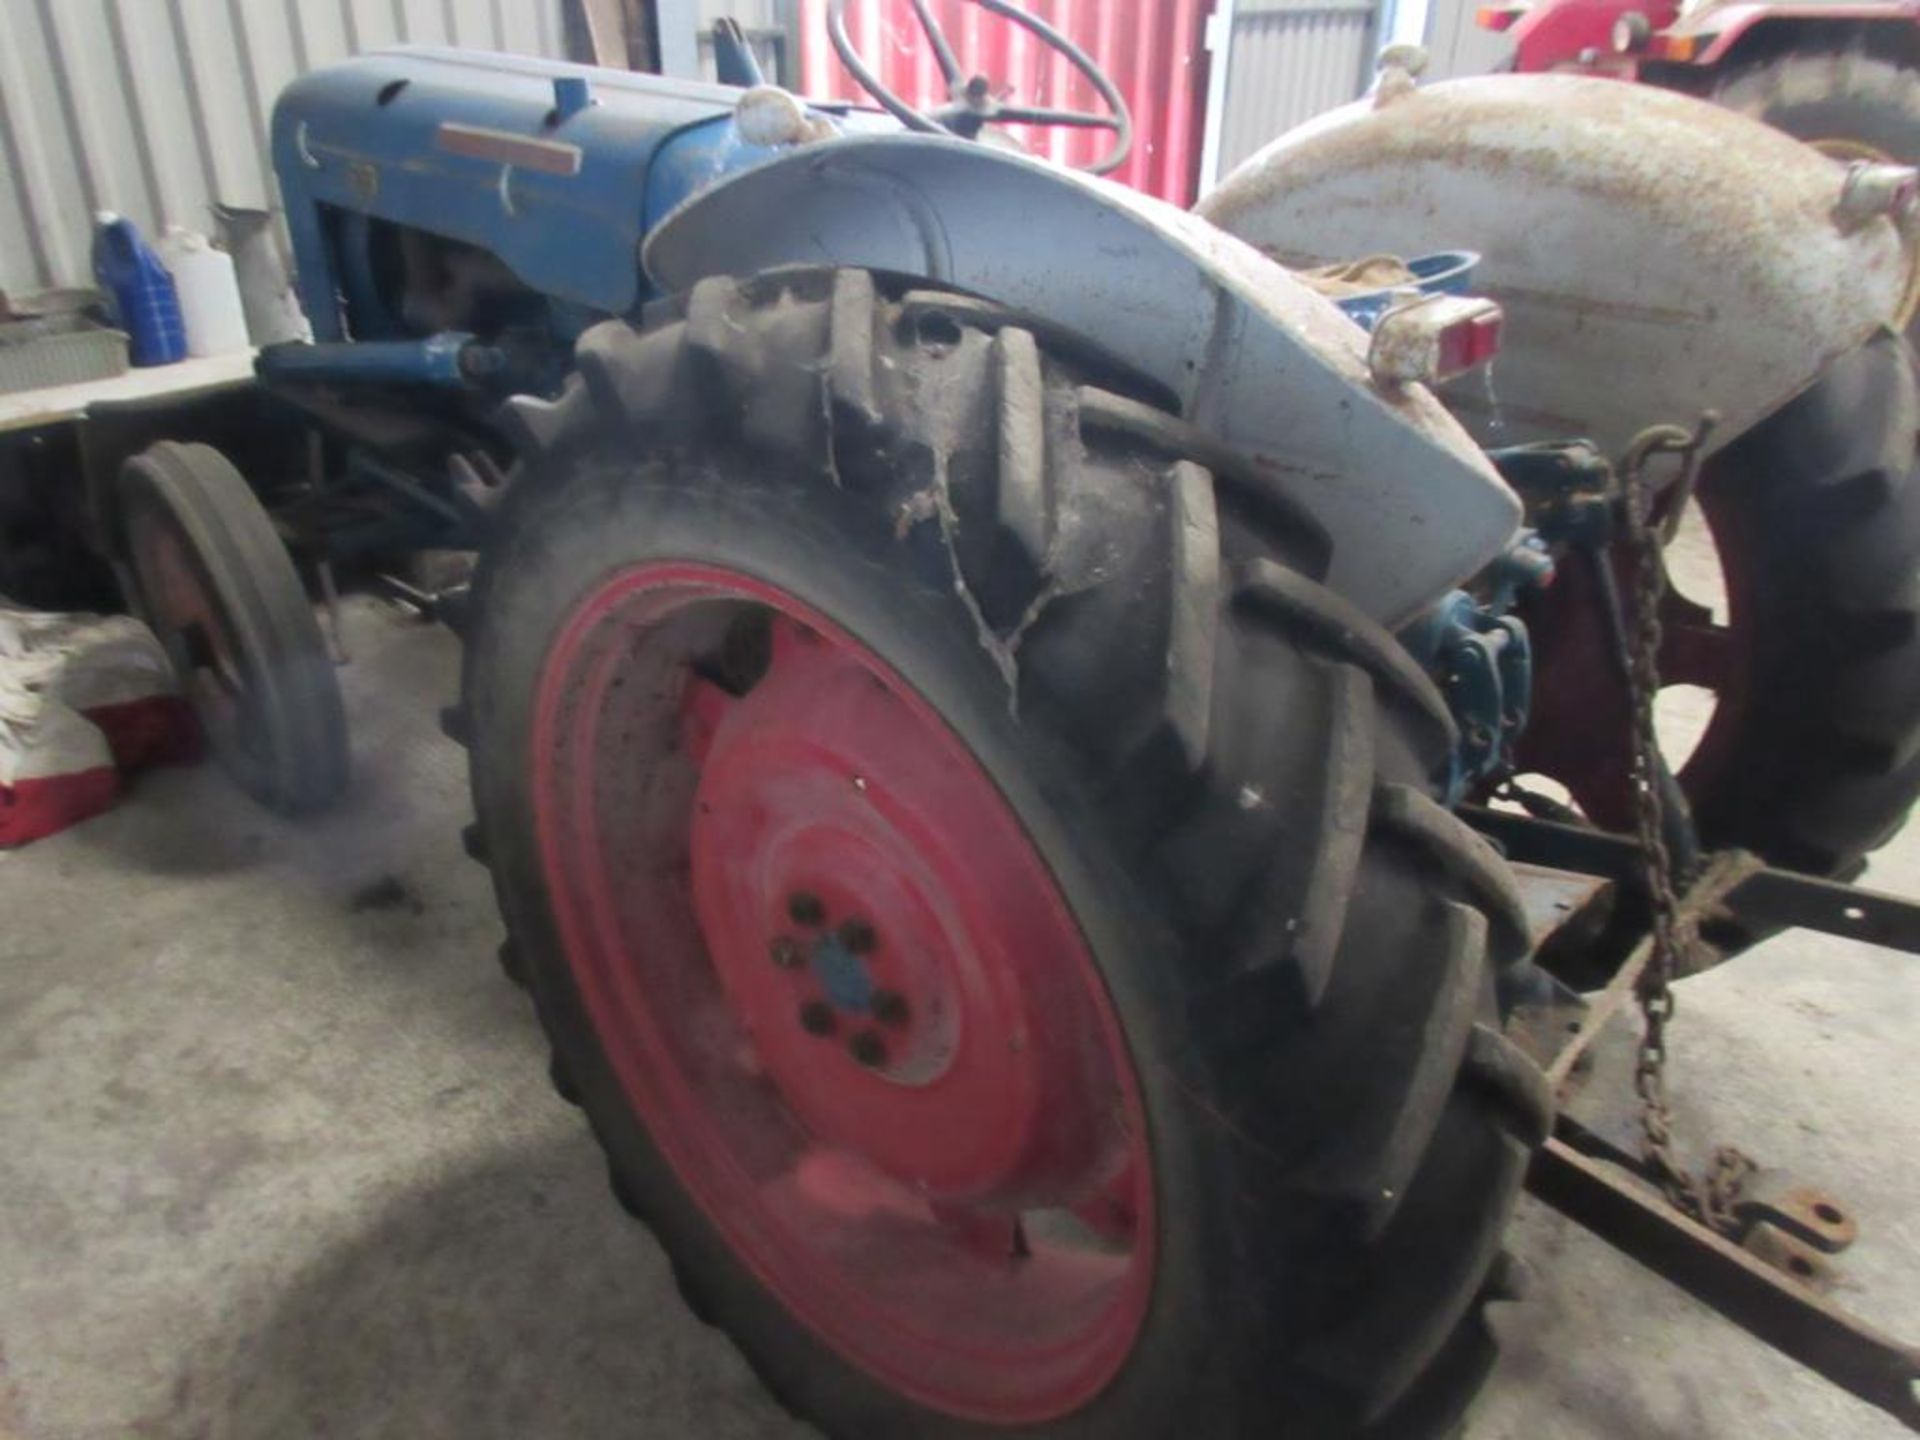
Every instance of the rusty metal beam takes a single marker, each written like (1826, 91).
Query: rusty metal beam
(1766, 899)
(1758, 1298)
(1782, 898)
(1724, 875)
(1564, 847)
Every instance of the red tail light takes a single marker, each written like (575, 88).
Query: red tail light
(1468, 343)
(1434, 338)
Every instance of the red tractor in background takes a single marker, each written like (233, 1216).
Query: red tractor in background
(1844, 76)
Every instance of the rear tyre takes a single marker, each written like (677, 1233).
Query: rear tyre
(1831, 95)
(1811, 757)
(1816, 515)
(214, 582)
(1853, 105)
(830, 647)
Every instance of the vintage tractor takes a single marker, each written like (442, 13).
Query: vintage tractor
(967, 680)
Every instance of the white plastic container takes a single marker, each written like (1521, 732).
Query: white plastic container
(209, 293)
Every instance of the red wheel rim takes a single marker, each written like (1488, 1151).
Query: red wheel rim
(191, 623)
(1579, 730)
(844, 993)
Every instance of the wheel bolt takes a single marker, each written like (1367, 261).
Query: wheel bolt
(889, 1007)
(857, 935)
(785, 952)
(816, 1017)
(805, 908)
(868, 1048)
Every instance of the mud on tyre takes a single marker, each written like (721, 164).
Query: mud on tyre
(839, 640)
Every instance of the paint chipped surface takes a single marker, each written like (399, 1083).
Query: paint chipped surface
(1246, 352)
(1656, 256)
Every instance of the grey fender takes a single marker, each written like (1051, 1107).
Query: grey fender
(1254, 358)
(1656, 256)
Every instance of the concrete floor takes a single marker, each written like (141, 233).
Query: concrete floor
(280, 1162)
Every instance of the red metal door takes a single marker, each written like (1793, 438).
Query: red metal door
(1152, 48)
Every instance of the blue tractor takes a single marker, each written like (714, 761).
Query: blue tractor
(942, 722)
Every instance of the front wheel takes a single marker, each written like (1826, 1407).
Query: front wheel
(214, 582)
(987, 901)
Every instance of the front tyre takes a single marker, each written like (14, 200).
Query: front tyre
(213, 580)
(985, 897)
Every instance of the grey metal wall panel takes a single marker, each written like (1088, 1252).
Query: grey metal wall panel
(772, 27)
(1458, 45)
(157, 108)
(1291, 60)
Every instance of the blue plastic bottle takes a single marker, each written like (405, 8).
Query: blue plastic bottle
(145, 303)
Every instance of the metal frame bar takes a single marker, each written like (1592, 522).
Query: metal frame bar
(1782, 898)
(1595, 1184)
(1761, 1300)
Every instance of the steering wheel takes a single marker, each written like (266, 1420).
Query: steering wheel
(971, 102)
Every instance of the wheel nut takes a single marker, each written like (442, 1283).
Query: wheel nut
(805, 908)
(889, 1007)
(868, 1048)
(857, 935)
(785, 952)
(816, 1017)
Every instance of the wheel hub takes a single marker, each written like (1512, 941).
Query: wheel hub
(834, 866)
(837, 982)
(191, 627)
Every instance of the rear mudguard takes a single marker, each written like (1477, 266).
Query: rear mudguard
(1656, 256)
(1253, 357)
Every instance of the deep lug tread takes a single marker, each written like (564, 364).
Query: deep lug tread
(1193, 545)
(1372, 1166)
(474, 841)
(1404, 1362)
(633, 380)
(1832, 485)
(456, 725)
(1102, 411)
(536, 428)
(1463, 857)
(1024, 500)
(1344, 627)
(1822, 764)
(850, 361)
(1243, 818)
(1507, 1072)
(1280, 931)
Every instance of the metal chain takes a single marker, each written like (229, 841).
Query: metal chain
(1708, 1198)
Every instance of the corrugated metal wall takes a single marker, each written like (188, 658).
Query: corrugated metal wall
(1291, 60)
(770, 25)
(155, 108)
(1459, 46)
(1151, 48)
